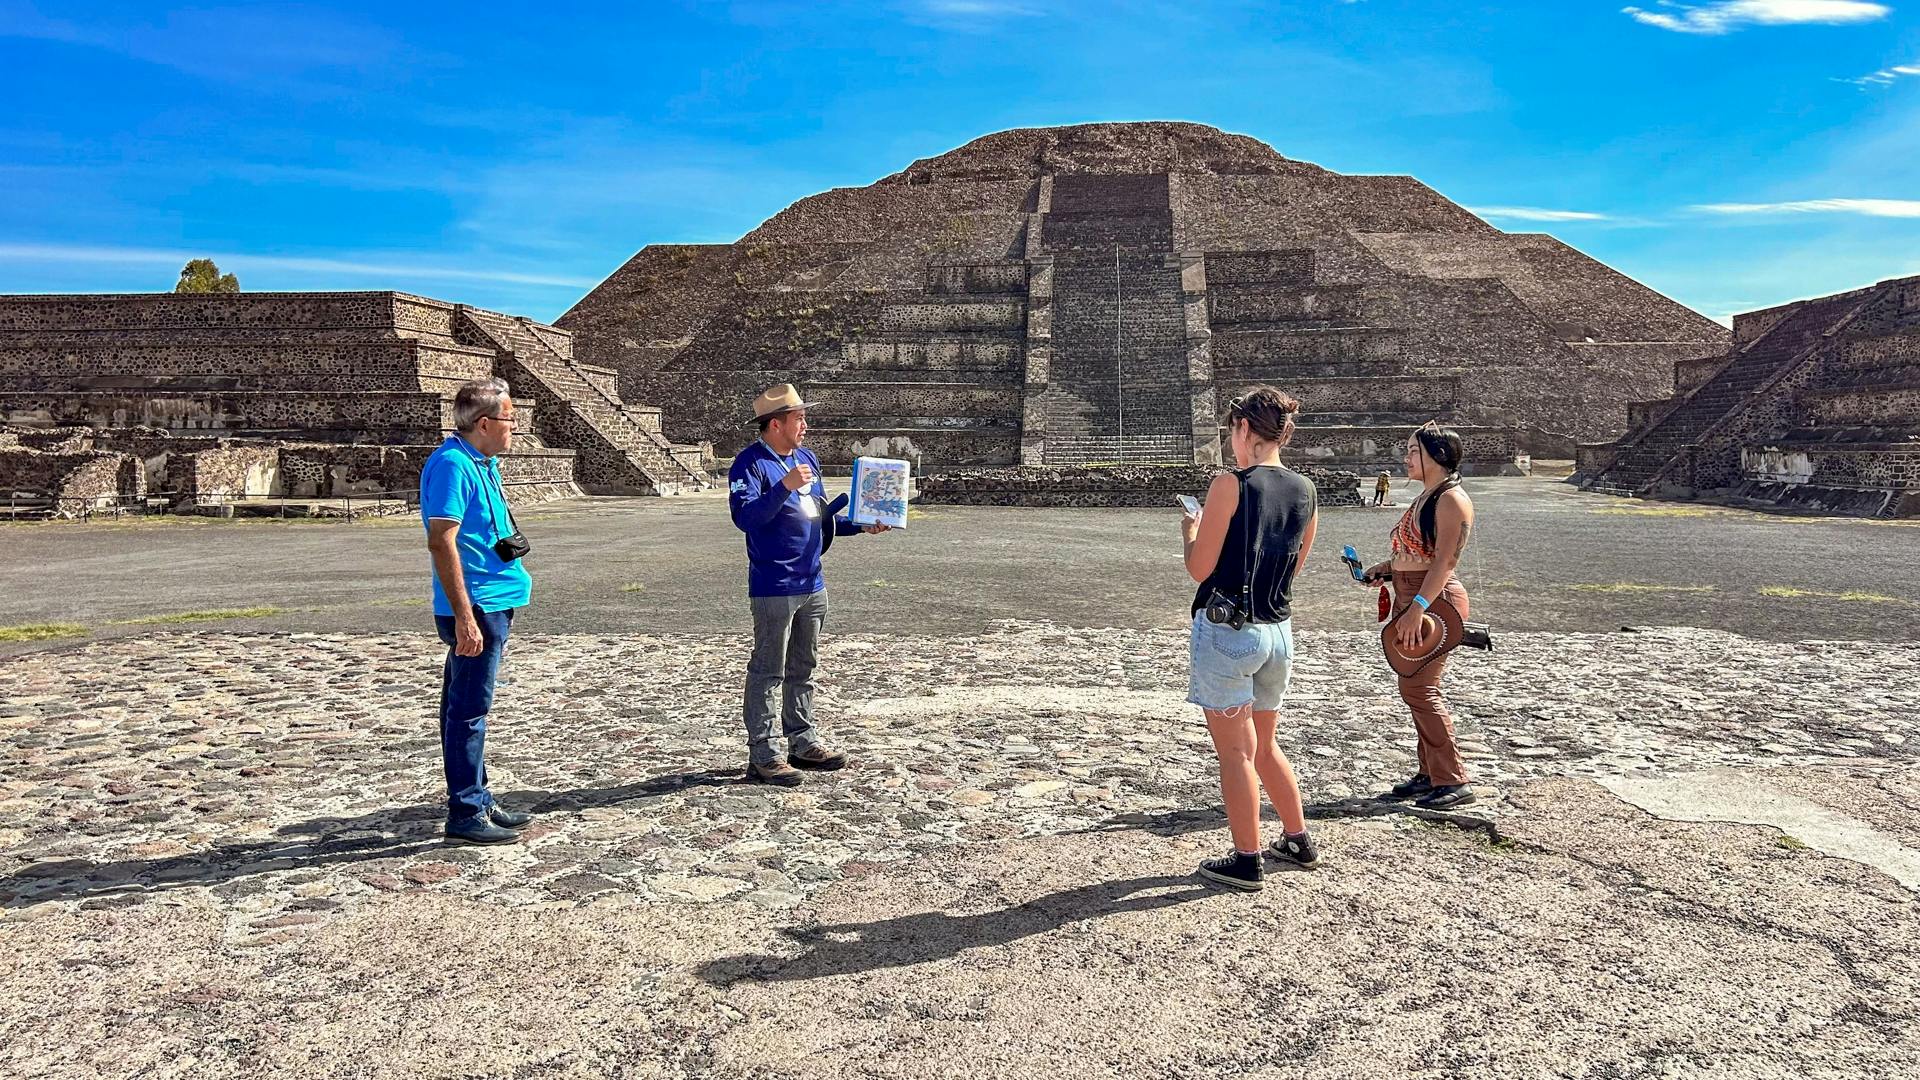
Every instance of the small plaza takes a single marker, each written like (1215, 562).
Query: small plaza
(222, 834)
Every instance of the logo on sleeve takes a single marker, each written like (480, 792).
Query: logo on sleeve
(738, 486)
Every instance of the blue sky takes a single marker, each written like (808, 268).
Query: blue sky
(1731, 154)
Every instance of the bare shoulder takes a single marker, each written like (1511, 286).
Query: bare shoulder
(1456, 501)
(1225, 487)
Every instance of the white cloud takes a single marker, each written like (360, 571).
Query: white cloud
(966, 14)
(1885, 208)
(1887, 76)
(241, 263)
(1534, 213)
(974, 9)
(1730, 15)
(290, 47)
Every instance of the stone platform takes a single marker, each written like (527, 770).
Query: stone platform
(1114, 485)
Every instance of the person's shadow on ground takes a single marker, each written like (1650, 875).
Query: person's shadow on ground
(396, 832)
(846, 948)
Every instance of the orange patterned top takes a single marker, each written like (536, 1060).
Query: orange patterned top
(1408, 546)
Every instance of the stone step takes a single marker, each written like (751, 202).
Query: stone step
(1611, 489)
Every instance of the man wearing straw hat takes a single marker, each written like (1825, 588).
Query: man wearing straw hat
(778, 500)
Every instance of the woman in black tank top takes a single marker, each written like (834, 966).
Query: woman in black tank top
(1244, 549)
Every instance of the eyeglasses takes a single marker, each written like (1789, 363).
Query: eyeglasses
(505, 418)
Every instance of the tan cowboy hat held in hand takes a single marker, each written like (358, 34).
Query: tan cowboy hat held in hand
(778, 399)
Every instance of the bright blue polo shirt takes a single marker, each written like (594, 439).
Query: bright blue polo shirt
(459, 483)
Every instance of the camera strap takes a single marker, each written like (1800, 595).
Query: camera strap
(1250, 547)
(500, 492)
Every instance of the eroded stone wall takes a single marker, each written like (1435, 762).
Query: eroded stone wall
(1153, 486)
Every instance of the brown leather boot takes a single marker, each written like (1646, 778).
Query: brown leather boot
(819, 759)
(778, 773)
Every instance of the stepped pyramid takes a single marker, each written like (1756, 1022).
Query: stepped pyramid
(203, 400)
(1094, 293)
(1813, 405)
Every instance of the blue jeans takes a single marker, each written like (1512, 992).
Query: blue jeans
(466, 696)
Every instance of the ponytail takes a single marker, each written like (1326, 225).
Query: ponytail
(1443, 446)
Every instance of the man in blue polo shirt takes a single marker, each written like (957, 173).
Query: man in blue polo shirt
(779, 502)
(475, 593)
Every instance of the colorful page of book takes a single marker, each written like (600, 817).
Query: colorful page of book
(880, 488)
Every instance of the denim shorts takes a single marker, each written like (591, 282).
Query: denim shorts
(1233, 667)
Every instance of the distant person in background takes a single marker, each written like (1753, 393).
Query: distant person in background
(475, 593)
(1245, 548)
(778, 500)
(1381, 487)
(1427, 544)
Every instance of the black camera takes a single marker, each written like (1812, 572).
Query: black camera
(512, 547)
(1222, 610)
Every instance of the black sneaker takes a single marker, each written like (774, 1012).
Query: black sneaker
(1298, 850)
(508, 819)
(1447, 796)
(478, 830)
(1235, 871)
(1412, 789)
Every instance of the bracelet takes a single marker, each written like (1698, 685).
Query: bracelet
(1422, 601)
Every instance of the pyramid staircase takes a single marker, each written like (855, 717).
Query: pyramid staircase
(620, 447)
(1646, 456)
(1118, 386)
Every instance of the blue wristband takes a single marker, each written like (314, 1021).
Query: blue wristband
(1422, 601)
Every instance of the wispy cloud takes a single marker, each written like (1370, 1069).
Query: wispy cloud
(1730, 15)
(1884, 208)
(266, 43)
(241, 263)
(1534, 213)
(975, 9)
(1887, 76)
(966, 14)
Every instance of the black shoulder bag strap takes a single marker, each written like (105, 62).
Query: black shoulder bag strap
(514, 545)
(1250, 547)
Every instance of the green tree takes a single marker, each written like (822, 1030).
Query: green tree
(202, 276)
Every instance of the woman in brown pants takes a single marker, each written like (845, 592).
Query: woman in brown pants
(1427, 544)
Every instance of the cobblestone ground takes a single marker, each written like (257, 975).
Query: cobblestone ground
(292, 776)
(278, 785)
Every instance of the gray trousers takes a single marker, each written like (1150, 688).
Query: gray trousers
(786, 646)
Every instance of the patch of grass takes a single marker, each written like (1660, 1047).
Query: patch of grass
(1486, 835)
(880, 583)
(206, 615)
(399, 601)
(1852, 596)
(914, 513)
(634, 586)
(1792, 843)
(1637, 587)
(1657, 511)
(41, 631)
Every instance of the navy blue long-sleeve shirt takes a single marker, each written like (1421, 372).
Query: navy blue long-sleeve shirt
(783, 541)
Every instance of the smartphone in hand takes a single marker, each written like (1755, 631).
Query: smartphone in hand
(1190, 504)
(1352, 559)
